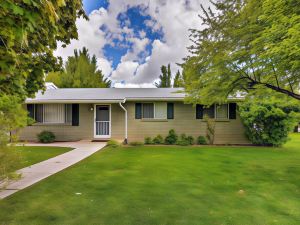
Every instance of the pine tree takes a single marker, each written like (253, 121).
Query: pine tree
(178, 80)
(80, 72)
(165, 77)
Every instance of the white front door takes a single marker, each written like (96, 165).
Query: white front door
(102, 121)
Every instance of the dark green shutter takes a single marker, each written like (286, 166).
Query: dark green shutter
(30, 109)
(170, 111)
(232, 111)
(75, 114)
(138, 110)
(199, 111)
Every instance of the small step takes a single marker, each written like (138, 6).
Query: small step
(100, 140)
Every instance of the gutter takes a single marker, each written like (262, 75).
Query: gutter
(125, 110)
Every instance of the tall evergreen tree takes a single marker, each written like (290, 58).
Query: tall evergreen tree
(165, 77)
(80, 72)
(178, 80)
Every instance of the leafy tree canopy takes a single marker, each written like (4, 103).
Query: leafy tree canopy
(29, 33)
(80, 72)
(245, 45)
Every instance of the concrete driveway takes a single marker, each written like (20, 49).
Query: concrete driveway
(44, 169)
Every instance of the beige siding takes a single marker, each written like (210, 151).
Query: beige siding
(227, 132)
(85, 129)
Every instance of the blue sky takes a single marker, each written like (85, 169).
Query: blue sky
(133, 18)
(132, 39)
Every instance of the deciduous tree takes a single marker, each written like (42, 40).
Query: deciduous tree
(244, 46)
(29, 33)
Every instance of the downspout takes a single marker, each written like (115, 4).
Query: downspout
(120, 103)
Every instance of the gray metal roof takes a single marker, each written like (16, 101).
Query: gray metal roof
(94, 95)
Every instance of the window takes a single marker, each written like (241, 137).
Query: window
(222, 111)
(157, 110)
(209, 112)
(51, 113)
(214, 111)
(148, 110)
(202, 111)
(160, 110)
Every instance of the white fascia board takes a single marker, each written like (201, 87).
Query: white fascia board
(154, 99)
(35, 101)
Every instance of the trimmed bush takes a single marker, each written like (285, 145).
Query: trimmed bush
(158, 140)
(136, 143)
(46, 137)
(201, 140)
(113, 143)
(191, 140)
(172, 137)
(183, 140)
(148, 141)
(269, 121)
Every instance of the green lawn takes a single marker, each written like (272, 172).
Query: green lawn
(168, 185)
(34, 154)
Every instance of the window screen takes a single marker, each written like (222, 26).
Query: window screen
(148, 110)
(222, 111)
(68, 113)
(39, 113)
(54, 113)
(161, 110)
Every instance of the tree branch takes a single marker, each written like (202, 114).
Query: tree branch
(278, 89)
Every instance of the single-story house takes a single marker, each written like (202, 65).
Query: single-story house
(127, 114)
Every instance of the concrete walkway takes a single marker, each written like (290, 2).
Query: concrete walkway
(44, 169)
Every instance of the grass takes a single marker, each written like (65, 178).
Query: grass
(168, 185)
(34, 154)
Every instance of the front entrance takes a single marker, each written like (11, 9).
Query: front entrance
(102, 121)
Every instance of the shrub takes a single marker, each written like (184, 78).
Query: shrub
(171, 138)
(148, 141)
(136, 143)
(183, 140)
(210, 129)
(191, 140)
(46, 137)
(268, 122)
(12, 117)
(158, 140)
(201, 140)
(113, 143)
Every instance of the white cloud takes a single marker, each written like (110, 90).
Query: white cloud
(105, 66)
(139, 46)
(130, 85)
(174, 18)
(124, 70)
